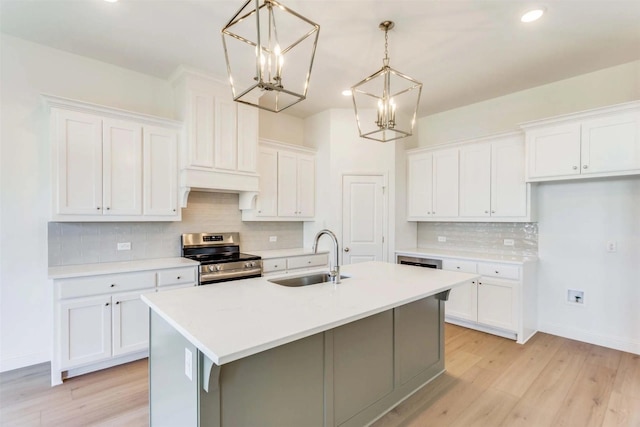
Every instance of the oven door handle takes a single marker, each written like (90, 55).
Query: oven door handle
(223, 275)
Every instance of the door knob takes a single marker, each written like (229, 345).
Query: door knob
(347, 249)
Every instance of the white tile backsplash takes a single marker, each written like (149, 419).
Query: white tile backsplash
(82, 243)
(485, 237)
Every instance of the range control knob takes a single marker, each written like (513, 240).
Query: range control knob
(250, 264)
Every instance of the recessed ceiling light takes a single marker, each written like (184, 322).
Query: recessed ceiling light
(532, 15)
(111, 1)
(346, 92)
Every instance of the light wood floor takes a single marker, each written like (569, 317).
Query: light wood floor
(490, 381)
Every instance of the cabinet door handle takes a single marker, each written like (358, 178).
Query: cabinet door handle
(347, 249)
(106, 305)
(98, 208)
(108, 208)
(113, 285)
(174, 210)
(585, 167)
(178, 278)
(117, 302)
(497, 272)
(479, 283)
(473, 282)
(486, 211)
(458, 267)
(275, 266)
(575, 167)
(493, 211)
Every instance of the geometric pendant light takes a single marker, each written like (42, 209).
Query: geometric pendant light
(386, 102)
(269, 50)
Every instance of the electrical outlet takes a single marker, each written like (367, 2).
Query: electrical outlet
(126, 246)
(612, 246)
(442, 239)
(273, 238)
(188, 364)
(575, 296)
(509, 242)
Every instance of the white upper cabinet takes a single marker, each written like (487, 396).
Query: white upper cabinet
(596, 143)
(221, 135)
(267, 200)
(478, 180)
(77, 165)
(121, 167)
(110, 165)
(287, 184)
(160, 171)
(475, 180)
(433, 184)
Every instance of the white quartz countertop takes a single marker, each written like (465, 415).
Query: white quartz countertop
(283, 253)
(232, 320)
(79, 270)
(474, 256)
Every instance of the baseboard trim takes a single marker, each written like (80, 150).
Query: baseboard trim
(617, 343)
(17, 362)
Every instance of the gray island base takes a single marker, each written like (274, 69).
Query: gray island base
(348, 375)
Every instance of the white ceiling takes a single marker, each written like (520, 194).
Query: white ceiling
(462, 51)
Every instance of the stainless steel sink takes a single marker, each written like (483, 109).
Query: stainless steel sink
(310, 279)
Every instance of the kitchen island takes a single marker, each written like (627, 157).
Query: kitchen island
(251, 352)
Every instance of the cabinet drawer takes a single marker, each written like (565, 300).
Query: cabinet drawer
(499, 270)
(176, 276)
(107, 283)
(459, 265)
(307, 261)
(275, 264)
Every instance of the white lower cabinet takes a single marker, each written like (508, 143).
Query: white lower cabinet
(85, 330)
(100, 320)
(502, 301)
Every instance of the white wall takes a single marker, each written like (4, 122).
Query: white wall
(605, 87)
(281, 127)
(27, 70)
(577, 219)
(341, 151)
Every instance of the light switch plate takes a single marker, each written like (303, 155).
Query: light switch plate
(125, 246)
(273, 238)
(509, 242)
(442, 239)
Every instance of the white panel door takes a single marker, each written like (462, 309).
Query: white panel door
(78, 189)
(85, 332)
(267, 200)
(248, 120)
(122, 167)
(287, 184)
(611, 144)
(201, 135)
(553, 151)
(306, 183)
(420, 185)
(226, 139)
(445, 183)
(475, 180)
(363, 218)
(160, 171)
(497, 302)
(508, 185)
(130, 323)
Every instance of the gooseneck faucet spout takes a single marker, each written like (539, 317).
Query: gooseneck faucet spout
(335, 272)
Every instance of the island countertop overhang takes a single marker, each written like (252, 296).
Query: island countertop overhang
(232, 320)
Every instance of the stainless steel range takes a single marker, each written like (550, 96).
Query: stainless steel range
(220, 257)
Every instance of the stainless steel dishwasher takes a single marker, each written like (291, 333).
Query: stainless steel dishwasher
(420, 262)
